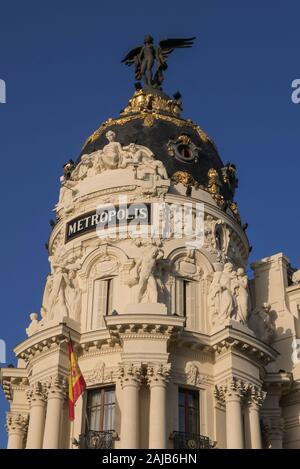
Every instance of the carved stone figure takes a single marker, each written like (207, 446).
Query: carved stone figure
(151, 166)
(57, 301)
(193, 375)
(81, 170)
(209, 231)
(67, 194)
(62, 296)
(240, 288)
(145, 273)
(34, 325)
(73, 295)
(262, 322)
(221, 298)
(296, 277)
(111, 155)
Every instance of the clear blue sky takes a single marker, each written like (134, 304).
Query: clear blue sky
(61, 63)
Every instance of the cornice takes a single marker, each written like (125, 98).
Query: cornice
(141, 326)
(229, 339)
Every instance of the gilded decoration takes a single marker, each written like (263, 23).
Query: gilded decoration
(142, 101)
(184, 178)
(213, 187)
(149, 116)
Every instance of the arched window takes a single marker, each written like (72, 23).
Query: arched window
(102, 301)
(186, 300)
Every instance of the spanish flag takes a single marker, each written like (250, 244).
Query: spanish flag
(76, 381)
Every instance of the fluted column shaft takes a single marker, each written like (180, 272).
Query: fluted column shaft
(56, 396)
(130, 376)
(158, 379)
(36, 417)
(234, 422)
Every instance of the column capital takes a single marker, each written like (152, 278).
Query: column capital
(158, 373)
(233, 388)
(36, 393)
(16, 422)
(130, 374)
(256, 397)
(56, 387)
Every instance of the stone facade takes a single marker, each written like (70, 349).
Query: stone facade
(157, 318)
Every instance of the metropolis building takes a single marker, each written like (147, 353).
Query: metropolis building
(148, 254)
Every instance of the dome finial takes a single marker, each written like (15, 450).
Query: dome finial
(148, 57)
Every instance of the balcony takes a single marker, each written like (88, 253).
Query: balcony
(182, 440)
(97, 440)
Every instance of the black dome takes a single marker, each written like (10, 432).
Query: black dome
(155, 128)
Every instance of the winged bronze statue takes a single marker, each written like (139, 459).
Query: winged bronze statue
(150, 60)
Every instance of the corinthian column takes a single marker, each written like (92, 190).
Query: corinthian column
(255, 401)
(158, 376)
(56, 395)
(234, 420)
(16, 426)
(130, 375)
(37, 398)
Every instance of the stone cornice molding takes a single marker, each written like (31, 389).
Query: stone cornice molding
(142, 326)
(232, 340)
(16, 422)
(130, 374)
(158, 374)
(13, 379)
(44, 340)
(278, 383)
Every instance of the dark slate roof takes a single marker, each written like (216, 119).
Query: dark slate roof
(131, 128)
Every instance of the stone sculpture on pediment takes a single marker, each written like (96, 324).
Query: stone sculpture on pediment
(34, 324)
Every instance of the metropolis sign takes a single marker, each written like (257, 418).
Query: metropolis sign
(106, 217)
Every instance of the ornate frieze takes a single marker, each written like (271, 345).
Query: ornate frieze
(193, 374)
(100, 374)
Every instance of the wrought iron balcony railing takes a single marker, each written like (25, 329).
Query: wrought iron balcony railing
(182, 440)
(97, 440)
